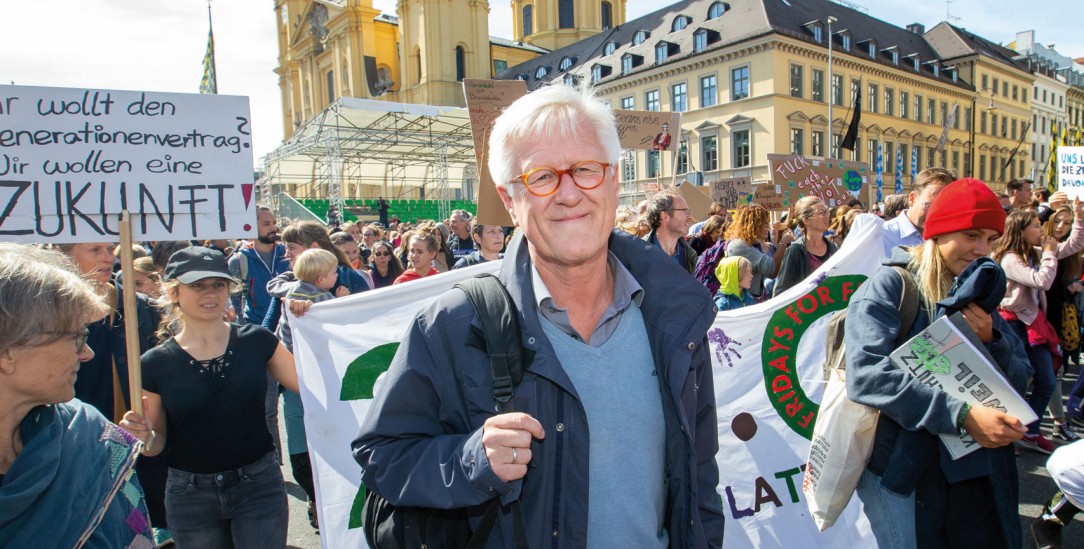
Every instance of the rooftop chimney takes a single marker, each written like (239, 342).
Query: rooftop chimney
(917, 28)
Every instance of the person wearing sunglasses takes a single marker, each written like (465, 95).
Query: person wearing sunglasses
(619, 383)
(384, 266)
(66, 472)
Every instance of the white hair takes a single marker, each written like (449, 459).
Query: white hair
(555, 112)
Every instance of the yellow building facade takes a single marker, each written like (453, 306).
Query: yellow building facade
(335, 48)
(752, 78)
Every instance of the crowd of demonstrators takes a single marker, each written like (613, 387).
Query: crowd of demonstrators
(913, 493)
(810, 250)
(384, 265)
(255, 264)
(708, 234)
(489, 240)
(422, 254)
(1064, 302)
(1030, 261)
(748, 237)
(460, 240)
(668, 218)
(204, 388)
(103, 379)
(60, 486)
(583, 293)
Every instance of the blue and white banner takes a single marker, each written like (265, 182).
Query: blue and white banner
(899, 169)
(768, 383)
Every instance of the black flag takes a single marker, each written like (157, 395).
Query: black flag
(852, 130)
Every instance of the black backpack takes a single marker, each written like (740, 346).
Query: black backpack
(389, 527)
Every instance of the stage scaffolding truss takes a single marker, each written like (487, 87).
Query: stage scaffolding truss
(364, 149)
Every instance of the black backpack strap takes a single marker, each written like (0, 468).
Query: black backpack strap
(500, 326)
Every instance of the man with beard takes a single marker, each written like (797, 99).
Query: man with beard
(255, 264)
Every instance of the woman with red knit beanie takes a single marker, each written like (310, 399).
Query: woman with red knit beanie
(1030, 260)
(913, 492)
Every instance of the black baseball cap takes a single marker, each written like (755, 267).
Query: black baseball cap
(195, 263)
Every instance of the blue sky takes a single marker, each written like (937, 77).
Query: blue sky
(158, 46)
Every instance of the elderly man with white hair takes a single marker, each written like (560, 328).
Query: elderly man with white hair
(614, 440)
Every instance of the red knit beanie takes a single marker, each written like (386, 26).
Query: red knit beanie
(964, 204)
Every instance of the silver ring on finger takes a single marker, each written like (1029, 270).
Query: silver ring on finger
(514, 456)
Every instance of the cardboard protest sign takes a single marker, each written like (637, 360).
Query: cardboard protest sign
(1071, 171)
(71, 160)
(730, 192)
(835, 181)
(651, 130)
(771, 196)
(697, 199)
(486, 100)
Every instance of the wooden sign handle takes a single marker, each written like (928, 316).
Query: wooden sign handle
(131, 322)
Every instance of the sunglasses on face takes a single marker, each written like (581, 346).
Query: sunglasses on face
(381, 254)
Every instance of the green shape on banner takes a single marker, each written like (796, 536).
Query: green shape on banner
(361, 374)
(853, 181)
(356, 509)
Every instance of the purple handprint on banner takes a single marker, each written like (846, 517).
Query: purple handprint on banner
(724, 346)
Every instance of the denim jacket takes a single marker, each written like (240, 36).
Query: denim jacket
(421, 442)
(912, 414)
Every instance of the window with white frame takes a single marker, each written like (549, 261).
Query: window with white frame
(679, 97)
(651, 100)
(707, 91)
(739, 83)
(740, 154)
(709, 147)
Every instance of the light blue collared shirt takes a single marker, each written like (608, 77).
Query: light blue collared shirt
(899, 231)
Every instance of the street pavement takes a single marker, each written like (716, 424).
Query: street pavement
(1036, 488)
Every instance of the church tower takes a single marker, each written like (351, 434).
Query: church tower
(554, 24)
(441, 42)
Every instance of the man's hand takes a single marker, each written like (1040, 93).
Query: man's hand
(507, 440)
(992, 428)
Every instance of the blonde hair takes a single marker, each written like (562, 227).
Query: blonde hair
(744, 266)
(627, 220)
(934, 278)
(145, 265)
(313, 264)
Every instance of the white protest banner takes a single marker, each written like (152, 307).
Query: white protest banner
(1071, 171)
(768, 385)
(72, 159)
(768, 380)
(341, 347)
